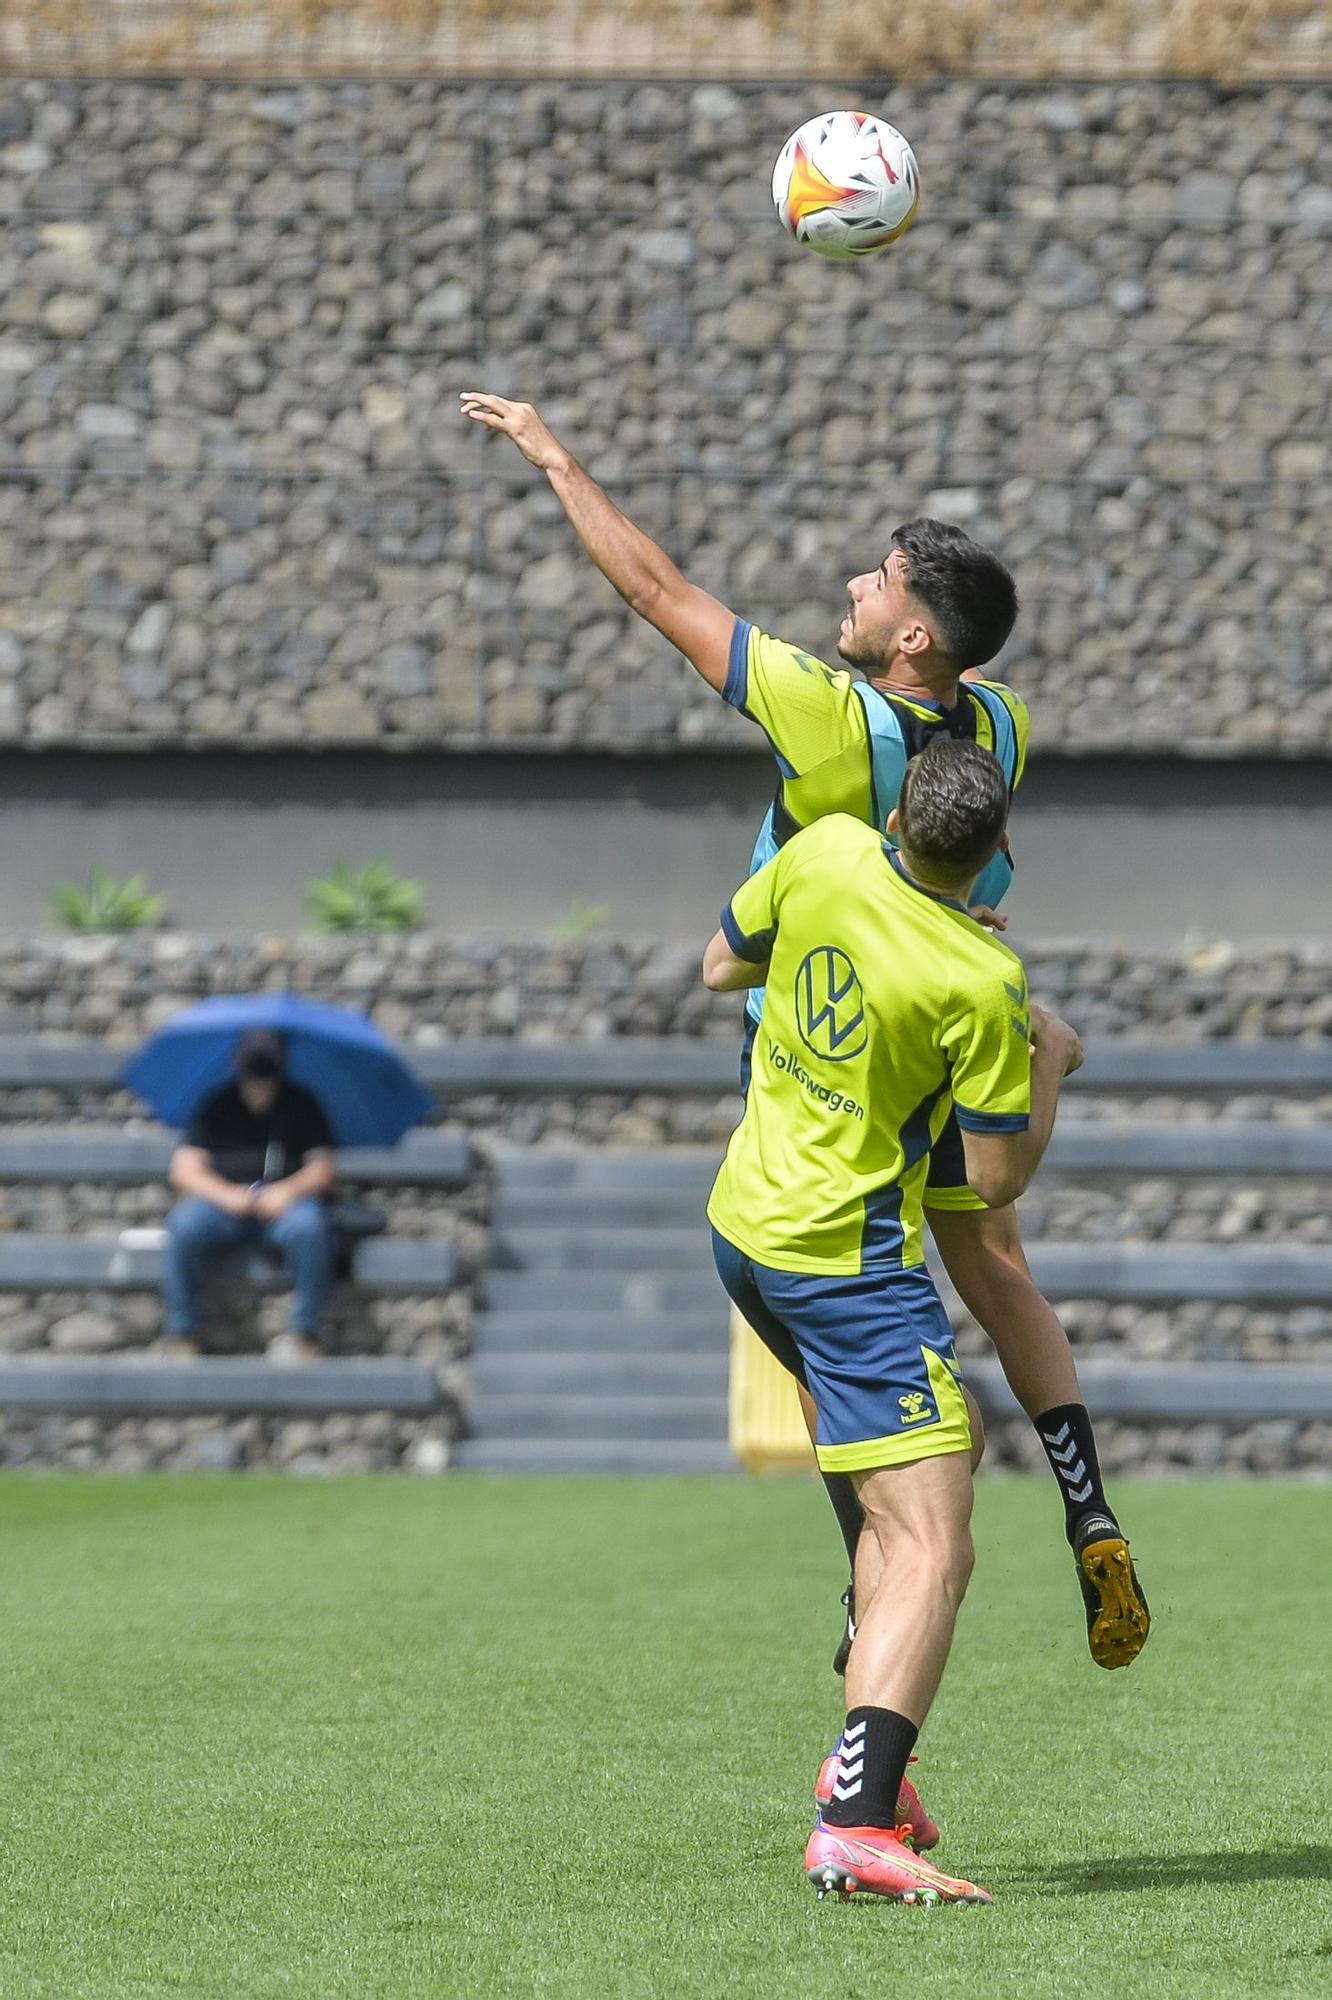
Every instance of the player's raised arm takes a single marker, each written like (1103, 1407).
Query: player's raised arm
(643, 573)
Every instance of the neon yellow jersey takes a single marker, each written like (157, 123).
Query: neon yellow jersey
(842, 746)
(886, 1005)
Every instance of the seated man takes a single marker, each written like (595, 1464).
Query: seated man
(888, 1006)
(256, 1158)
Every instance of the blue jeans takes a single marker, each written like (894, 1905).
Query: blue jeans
(198, 1231)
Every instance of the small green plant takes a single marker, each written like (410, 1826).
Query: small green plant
(373, 898)
(107, 905)
(581, 921)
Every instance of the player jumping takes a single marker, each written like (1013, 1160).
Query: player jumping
(937, 608)
(883, 992)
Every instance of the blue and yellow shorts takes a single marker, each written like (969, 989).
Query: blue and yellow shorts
(875, 1353)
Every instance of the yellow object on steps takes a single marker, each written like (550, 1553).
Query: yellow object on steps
(766, 1425)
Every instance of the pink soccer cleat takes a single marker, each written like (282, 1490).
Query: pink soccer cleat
(877, 1861)
(921, 1829)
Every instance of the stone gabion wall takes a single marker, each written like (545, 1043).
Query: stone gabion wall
(422, 986)
(238, 505)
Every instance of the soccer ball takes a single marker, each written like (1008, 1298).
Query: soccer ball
(846, 184)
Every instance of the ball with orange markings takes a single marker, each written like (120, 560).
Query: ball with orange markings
(846, 184)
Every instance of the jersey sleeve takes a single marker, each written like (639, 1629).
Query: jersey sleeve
(807, 710)
(987, 1039)
(749, 920)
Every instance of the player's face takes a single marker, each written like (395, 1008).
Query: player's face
(879, 606)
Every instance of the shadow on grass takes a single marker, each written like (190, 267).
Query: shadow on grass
(1183, 1871)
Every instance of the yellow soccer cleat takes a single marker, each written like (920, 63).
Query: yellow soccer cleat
(1118, 1620)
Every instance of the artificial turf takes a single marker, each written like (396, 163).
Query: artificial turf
(479, 1737)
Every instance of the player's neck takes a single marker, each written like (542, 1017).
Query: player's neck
(900, 677)
(951, 892)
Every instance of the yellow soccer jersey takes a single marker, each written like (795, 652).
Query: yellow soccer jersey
(885, 1005)
(842, 746)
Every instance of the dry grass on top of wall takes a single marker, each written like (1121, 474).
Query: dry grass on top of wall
(1223, 40)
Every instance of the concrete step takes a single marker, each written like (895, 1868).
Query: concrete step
(121, 1385)
(132, 1262)
(585, 1416)
(600, 1334)
(599, 1375)
(442, 1156)
(594, 1455)
(638, 1292)
(608, 1170)
(594, 1249)
(577, 1208)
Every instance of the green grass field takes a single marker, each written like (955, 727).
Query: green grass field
(556, 1738)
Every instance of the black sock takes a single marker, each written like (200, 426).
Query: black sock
(1070, 1446)
(841, 1490)
(871, 1764)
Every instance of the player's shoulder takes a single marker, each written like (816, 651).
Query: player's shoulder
(1010, 697)
(783, 655)
(842, 833)
(837, 840)
(989, 961)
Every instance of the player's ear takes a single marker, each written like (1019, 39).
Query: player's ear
(916, 638)
(894, 821)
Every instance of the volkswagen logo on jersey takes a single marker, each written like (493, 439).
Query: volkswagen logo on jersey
(830, 1006)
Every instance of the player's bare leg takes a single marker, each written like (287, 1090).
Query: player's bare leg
(983, 1255)
(868, 1575)
(841, 1491)
(919, 1515)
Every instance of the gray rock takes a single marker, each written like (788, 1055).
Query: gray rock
(407, 669)
(446, 305)
(107, 420)
(716, 103)
(1206, 197)
(666, 249)
(1312, 203)
(214, 1451)
(279, 107)
(84, 1333)
(149, 633)
(72, 314)
(1063, 274)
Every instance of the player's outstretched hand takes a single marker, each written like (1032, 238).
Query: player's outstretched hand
(1048, 1031)
(519, 421)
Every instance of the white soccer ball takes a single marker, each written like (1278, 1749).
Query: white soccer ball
(846, 184)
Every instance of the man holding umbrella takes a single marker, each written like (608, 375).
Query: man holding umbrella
(264, 1086)
(256, 1158)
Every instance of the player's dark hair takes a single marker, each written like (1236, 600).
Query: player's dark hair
(952, 808)
(967, 591)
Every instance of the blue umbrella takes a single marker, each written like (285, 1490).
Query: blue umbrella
(364, 1087)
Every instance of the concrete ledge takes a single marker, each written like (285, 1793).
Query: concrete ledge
(103, 1263)
(439, 1157)
(674, 1064)
(1179, 1391)
(224, 1386)
(1267, 1274)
